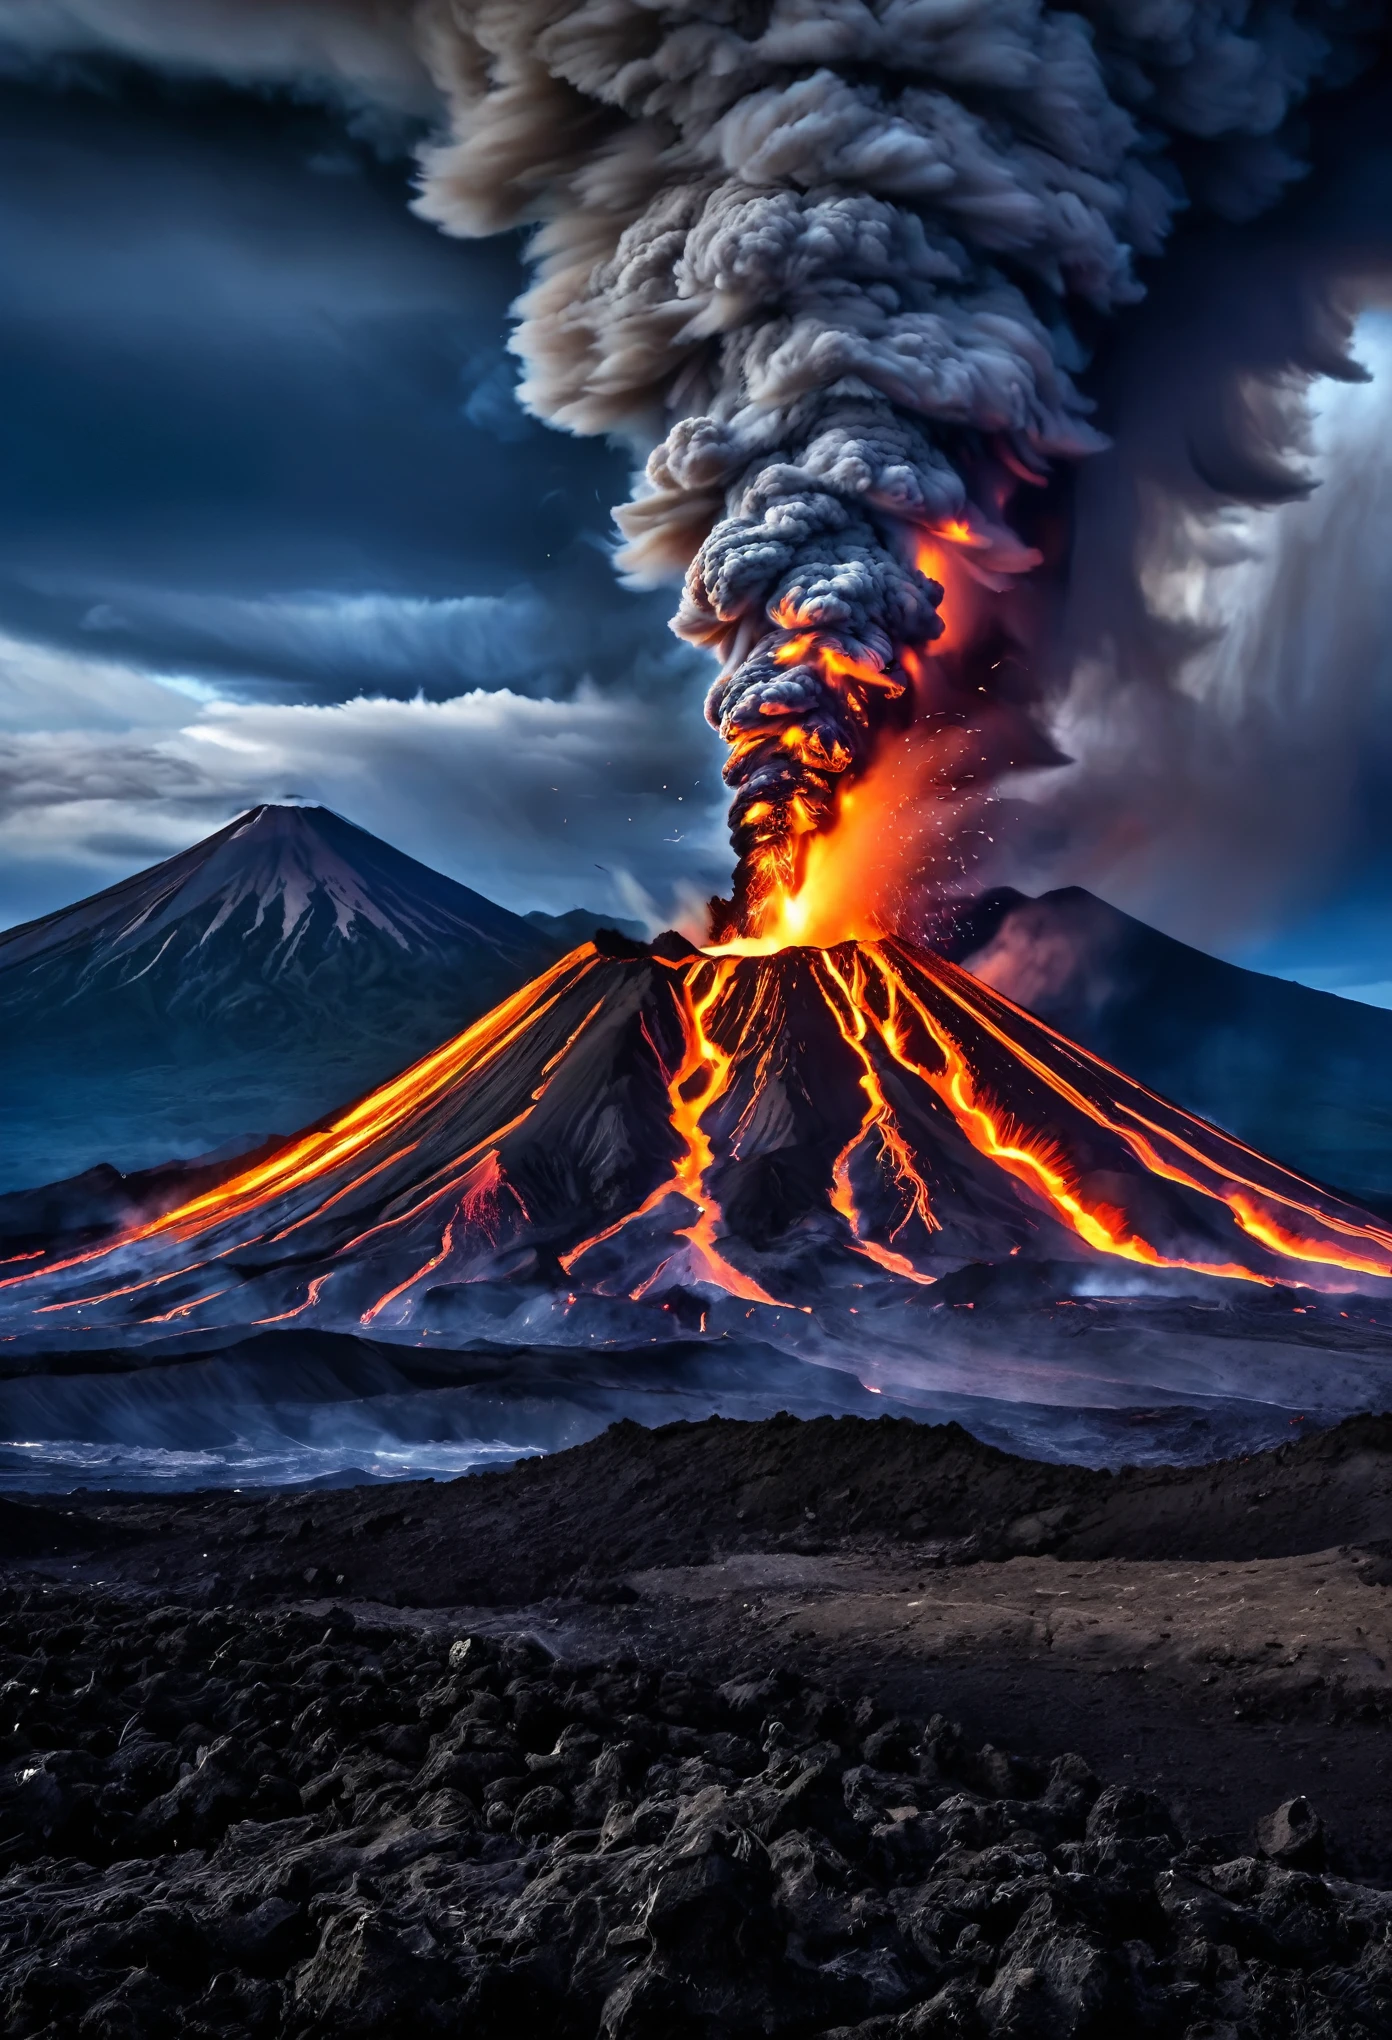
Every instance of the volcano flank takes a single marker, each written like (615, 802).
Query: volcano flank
(655, 1142)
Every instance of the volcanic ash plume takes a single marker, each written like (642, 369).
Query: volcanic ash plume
(820, 256)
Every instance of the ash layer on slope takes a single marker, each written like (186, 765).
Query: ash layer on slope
(293, 1822)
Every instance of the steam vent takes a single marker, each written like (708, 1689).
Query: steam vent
(650, 1140)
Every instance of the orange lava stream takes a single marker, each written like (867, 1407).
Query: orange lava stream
(878, 1117)
(463, 1162)
(347, 1136)
(706, 1061)
(1281, 1241)
(991, 1134)
(344, 1190)
(182, 1309)
(446, 1248)
(311, 1298)
(146, 1282)
(1258, 1225)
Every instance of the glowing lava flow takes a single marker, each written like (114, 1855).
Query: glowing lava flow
(862, 1114)
(322, 1150)
(479, 1202)
(701, 1078)
(989, 1130)
(878, 1119)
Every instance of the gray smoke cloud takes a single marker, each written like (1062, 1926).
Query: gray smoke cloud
(827, 257)
(822, 263)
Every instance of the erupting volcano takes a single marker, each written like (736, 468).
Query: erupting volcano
(830, 271)
(643, 1142)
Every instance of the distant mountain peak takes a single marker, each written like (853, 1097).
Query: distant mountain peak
(275, 863)
(292, 942)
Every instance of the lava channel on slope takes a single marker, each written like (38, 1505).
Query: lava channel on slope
(651, 1140)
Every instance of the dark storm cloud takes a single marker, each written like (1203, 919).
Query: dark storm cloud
(323, 645)
(226, 372)
(1222, 666)
(256, 426)
(260, 464)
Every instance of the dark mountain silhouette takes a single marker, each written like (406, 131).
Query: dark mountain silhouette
(237, 990)
(1300, 1074)
(570, 929)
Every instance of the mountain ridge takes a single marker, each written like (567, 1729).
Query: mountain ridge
(245, 985)
(1295, 1072)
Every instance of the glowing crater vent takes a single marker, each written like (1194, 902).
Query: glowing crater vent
(687, 1135)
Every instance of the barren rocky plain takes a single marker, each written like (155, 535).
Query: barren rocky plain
(841, 1727)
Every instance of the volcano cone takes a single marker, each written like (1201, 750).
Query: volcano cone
(667, 1138)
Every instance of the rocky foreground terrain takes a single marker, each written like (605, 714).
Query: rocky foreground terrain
(716, 1731)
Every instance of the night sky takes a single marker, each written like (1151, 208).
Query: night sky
(272, 526)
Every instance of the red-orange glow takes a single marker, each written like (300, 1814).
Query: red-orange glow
(352, 1132)
(1034, 1160)
(937, 556)
(808, 747)
(478, 1210)
(700, 1080)
(1295, 1246)
(878, 1119)
(808, 646)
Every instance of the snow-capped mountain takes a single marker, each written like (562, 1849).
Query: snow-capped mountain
(251, 982)
(1300, 1074)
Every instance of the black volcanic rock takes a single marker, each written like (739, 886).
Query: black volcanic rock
(1302, 1075)
(235, 991)
(379, 1830)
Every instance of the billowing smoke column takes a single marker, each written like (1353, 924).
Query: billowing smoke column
(821, 257)
(827, 265)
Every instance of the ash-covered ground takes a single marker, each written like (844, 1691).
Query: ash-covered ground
(725, 1729)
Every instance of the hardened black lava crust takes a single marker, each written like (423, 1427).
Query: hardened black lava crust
(705, 1784)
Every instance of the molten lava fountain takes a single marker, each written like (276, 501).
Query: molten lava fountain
(645, 1143)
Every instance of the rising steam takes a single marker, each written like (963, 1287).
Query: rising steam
(825, 253)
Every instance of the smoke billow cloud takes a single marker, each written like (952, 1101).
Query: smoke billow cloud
(830, 267)
(828, 258)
